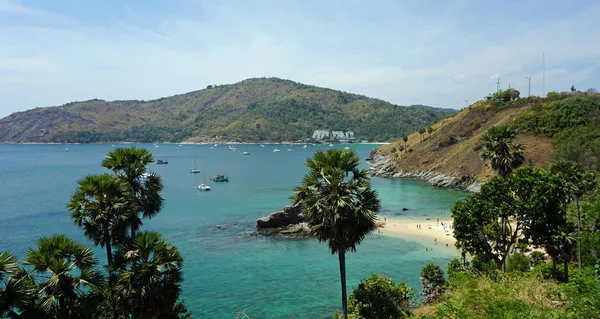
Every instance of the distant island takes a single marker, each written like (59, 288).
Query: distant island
(253, 110)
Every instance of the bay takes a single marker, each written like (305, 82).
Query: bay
(226, 270)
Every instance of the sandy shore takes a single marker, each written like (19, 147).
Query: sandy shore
(430, 232)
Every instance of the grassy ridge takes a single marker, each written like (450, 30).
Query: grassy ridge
(562, 124)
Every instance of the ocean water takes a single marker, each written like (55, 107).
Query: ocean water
(226, 269)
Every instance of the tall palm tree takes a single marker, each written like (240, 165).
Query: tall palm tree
(68, 270)
(576, 182)
(339, 204)
(497, 144)
(100, 206)
(150, 276)
(129, 164)
(17, 292)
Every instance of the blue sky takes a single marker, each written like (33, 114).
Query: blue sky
(438, 53)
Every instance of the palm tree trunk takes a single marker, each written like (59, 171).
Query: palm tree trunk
(109, 258)
(578, 234)
(342, 258)
(566, 263)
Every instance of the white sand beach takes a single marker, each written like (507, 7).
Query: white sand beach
(431, 232)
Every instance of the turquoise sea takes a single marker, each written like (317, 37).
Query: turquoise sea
(226, 269)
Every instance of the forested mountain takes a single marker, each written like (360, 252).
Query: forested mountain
(260, 109)
(560, 126)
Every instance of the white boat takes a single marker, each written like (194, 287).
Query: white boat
(304, 146)
(276, 150)
(330, 145)
(246, 153)
(289, 149)
(215, 145)
(262, 145)
(347, 147)
(203, 187)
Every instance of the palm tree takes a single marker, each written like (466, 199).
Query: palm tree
(405, 139)
(150, 276)
(339, 204)
(576, 182)
(421, 132)
(16, 291)
(498, 148)
(68, 270)
(100, 206)
(130, 164)
(504, 156)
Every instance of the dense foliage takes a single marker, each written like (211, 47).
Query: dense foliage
(572, 120)
(61, 278)
(378, 297)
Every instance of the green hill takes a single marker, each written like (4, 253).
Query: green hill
(261, 109)
(564, 125)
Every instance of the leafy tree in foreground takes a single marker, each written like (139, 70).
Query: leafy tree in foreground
(149, 276)
(378, 297)
(530, 200)
(497, 144)
(339, 204)
(129, 164)
(69, 272)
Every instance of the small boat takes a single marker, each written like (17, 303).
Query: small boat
(67, 149)
(347, 147)
(203, 187)
(215, 145)
(220, 178)
(304, 146)
(330, 145)
(162, 162)
(289, 149)
(194, 170)
(276, 150)
(262, 145)
(246, 153)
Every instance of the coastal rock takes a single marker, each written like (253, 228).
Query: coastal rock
(383, 166)
(288, 216)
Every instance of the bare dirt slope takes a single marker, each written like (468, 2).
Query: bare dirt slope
(462, 159)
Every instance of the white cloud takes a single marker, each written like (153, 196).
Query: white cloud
(411, 59)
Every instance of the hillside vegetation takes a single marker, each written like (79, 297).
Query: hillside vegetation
(262, 109)
(562, 124)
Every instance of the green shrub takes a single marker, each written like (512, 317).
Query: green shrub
(379, 297)
(450, 139)
(484, 264)
(537, 258)
(518, 262)
(456, 266)
(432, 282)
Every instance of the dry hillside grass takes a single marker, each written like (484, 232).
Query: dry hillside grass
(462, 158)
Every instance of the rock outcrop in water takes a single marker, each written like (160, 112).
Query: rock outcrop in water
(287, 222)
(383, 166)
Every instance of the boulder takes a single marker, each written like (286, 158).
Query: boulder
(290, 215)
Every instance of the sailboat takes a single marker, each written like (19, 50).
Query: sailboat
(194, 170)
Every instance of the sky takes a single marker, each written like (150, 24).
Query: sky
(431, 52)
